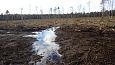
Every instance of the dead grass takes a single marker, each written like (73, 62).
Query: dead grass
(33, 23)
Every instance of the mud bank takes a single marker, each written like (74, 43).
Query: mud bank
(86, 45)
(16, 49)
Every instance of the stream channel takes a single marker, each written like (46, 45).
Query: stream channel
(46, 46)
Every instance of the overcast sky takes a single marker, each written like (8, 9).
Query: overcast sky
(29, 6)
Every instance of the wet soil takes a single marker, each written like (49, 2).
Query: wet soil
(87, 45)
(16, 49)
(80, 45)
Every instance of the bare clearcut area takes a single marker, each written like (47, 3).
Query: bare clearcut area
(81, 44)
(57, 32)
(86, 45)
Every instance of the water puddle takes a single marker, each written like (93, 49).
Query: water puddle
(45, 46)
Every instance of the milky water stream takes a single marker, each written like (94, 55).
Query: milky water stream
(45, 46)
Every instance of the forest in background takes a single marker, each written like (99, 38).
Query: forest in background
(50, 16)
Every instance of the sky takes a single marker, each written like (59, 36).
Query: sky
(43, 6)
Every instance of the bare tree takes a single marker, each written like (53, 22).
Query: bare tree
(7, 13)
(103, 3)
(58, 10)
(103, 8)
(29, 9)
(36, 9)
(110, 7)
(62, 10)
(20, 24)
(41, 11)
(111, 11)
(55, 10)
(21, 9)
(72, 10)
(50, 11)
(88, 3)
(79, 8)
(83, 9)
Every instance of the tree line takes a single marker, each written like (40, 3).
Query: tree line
(50, 16)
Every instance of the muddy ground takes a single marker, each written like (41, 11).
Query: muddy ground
(16, 49)
(87, 45)
(80, 45)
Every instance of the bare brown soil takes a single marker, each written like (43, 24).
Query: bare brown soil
(87, 45)
(16, 49)
(82, 42)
